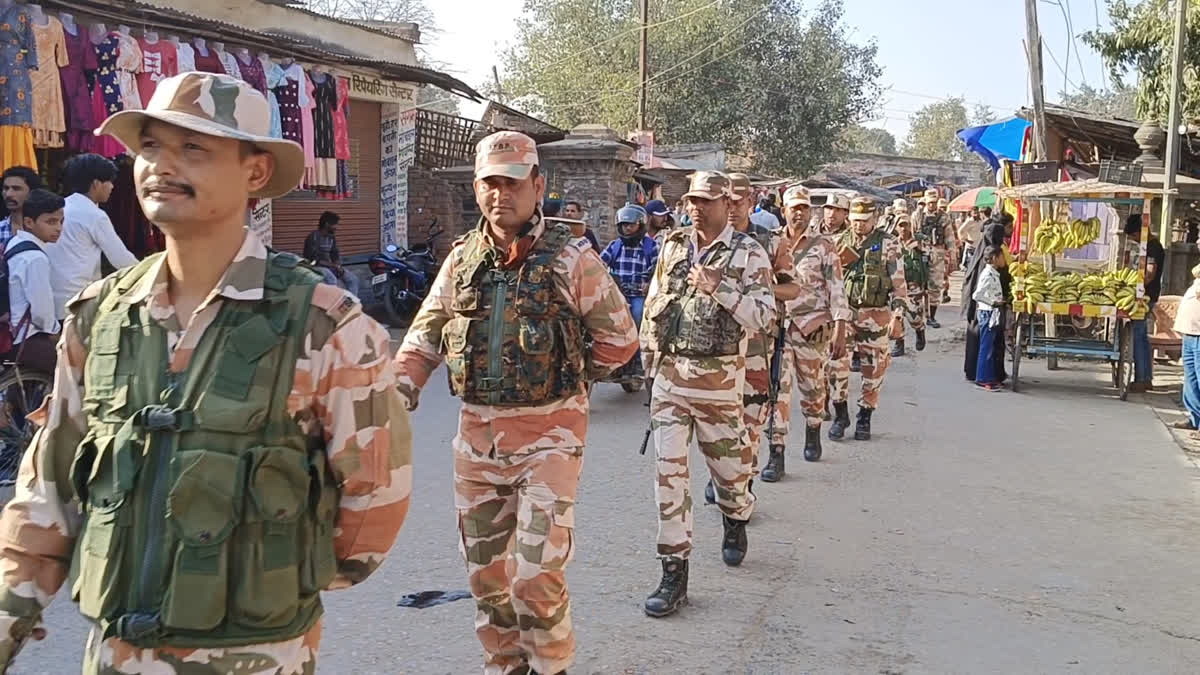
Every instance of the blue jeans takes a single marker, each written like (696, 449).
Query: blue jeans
(636, 304)
(985, 365)
(1141, 349)
(1191, 380)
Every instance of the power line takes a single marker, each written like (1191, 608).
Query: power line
(948, 98)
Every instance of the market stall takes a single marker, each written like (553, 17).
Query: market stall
(1109, 294)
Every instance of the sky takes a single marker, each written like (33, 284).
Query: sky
(928, 49)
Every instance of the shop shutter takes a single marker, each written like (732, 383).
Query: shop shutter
(295, 216)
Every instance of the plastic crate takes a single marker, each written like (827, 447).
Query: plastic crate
(1027, 173)
(1120, 173)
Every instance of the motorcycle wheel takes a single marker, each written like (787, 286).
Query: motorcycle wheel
(395, 305)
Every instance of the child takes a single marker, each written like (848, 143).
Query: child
(989, 297)
(30, 298)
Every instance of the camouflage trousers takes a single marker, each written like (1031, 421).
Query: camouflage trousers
(809, 355)
(915, 311)
(720, 432)
(783, 409)
(869, 339)
(937, 275)
(516, 518)
(111, 656)
(756, 403)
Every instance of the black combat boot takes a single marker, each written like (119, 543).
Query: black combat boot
(855, 363)
(710, 493)
(841, 420)
(733, 548)
(920, 339)
(773, 471)
(898, 348)
(862, 428)
(945, 296)
(932, 321)
(812, 444)
(671, 593)
(828, 415)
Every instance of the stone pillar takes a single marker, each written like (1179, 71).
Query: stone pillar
(592, 166)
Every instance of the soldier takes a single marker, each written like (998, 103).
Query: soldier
(899, 208)
(952, 248)
(835, 214)
(875, 286)
(916, 273)
(940, 234)
(224, 439)
(509, 312)
(710, 293)
(815, 311)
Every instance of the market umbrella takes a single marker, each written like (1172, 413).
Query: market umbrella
(980, 197)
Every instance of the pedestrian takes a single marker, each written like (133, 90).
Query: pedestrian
(573, 212)
(710, 292)
(989, 298)
(969, 233)
(660, 219)
(815, 312)
(234, 444)
(763, 215)
(996, 232)
(15, 185)
(940, 235)
(30, 301)
(1187, 323)
(916, 274)
(321, 249)
(832, 222)
(509, 313)
(87, 231)
(631, 258)
(875, 287)
(1143, 361)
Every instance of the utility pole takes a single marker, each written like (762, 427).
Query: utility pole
(1174, 115)
(499, 90)
(644, 64)
(1033, 47)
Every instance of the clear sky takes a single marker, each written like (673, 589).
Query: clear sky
(928, 49)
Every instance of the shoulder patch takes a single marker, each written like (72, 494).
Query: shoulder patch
(336, 303)
(90, 293)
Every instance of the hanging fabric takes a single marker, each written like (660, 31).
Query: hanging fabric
(81, 66)
(18, 53)
(49, 119)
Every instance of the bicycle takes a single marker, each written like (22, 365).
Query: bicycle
(23, 391)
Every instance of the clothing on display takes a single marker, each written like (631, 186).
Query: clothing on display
(341, 125)
(230, 63)
(18, 53)
(273, 76)
(185, 55)
(307, 105)
(81, 65)
(252, 72)
(130, 224)
(129, 64)
(49, 120)
(208, 61)
(105, 99)
(288, 94)
(160, 60)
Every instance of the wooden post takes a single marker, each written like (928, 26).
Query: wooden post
(1174, 115)
(644, 65)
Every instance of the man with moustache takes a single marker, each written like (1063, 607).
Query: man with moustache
(15, 185)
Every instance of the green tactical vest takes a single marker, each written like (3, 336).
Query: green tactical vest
(513, 340)
(208, 515)
(933, 226)
(916, 270)
(695, 324)
(868, 283)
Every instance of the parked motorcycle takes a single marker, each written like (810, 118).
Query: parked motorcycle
(401, 277)
(631, 376)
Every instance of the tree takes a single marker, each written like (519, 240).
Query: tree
(1142, 41)
(982, 114)
(932, 133)
(765, 79)
(1121, 101)
(858, 138)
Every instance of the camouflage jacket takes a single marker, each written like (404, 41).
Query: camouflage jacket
(763, 343)
(584, 282)
(749, 299)
(818, 272)
(893, 255)
(343, 395)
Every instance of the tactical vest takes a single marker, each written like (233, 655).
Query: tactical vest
(513, 339)
(916, 270)
(868, 283)
(695, 324)
(933, 226)
(208, 514)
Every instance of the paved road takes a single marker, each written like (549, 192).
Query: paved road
(1046, 532)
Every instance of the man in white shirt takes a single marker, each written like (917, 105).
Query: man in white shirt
(30, 300)
(15, 186)
(87, 231)
(763, 217)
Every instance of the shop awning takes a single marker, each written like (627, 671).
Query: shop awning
(996, 141)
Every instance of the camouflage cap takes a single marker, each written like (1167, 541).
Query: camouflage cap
(708, 185)
(505, 153)
(215, 105)
(837, 200)
(740, 187)
(931, 195)
(796, 195)
(862, 208)
(899, 204)
(943, 202)
(902, 218)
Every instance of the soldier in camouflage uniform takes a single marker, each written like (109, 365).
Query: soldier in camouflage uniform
(835, 217)
(815, 313)
(508, 313)
(233, 433)
(940, 235)
(875, 286)
(916, 273)
(711, 291)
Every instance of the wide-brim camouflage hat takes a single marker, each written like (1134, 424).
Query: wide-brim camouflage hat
(708, 185)
(214, 105)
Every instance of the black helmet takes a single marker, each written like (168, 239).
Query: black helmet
(631, 213)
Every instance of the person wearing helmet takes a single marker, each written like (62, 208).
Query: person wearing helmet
(631, 257)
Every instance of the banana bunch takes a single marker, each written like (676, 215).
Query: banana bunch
(1029, 285)
(1080, 233)
(1048, 238)
(1064, 288)
(1054, 236)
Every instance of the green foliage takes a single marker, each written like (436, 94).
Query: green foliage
(1118, 102)
(764, 78)
(1142, 42)
(858, 138)
(932, 131)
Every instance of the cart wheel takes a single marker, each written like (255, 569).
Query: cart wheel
(1125, 360)
(1018, 349)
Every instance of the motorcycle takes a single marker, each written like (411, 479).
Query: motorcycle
(401, 277)
(631, 376)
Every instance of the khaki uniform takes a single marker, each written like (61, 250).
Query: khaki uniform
(916, 274)
(695, 347)
(519, 448)
(756, 398)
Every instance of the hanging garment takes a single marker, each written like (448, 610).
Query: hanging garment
(288, 93)
(253, 74)
(325, 98)
(307, 105)
(107, 98)
(273, 77)
(341, 125)
(18, 53)
(49, 119)
(81, 55)
(186, 57)
(129, 222)
(129, 64)
(230, 63)
(209, 63)
(160, 60)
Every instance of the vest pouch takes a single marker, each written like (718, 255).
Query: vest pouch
(456, 347)
(203, 508)
(239, 392)
(100, 554)
(536, 339)
(266, 565)
(318, 557)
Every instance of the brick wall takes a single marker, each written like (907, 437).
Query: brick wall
(438, 194)
(599, 185)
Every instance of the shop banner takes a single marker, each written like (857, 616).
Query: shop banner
(398, 142)
(260, 220)
(368, 88)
